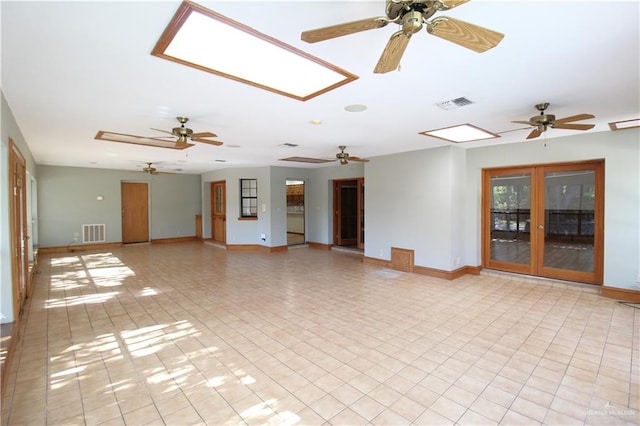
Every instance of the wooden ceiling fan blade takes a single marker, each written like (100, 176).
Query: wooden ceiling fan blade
(361, 160)
(572, 126)
(450, 4)
(326, 33)
(204, 135)
(392, 53)
(207, 141)
(163, 131)
(534, 133)
(470, 36)
(574, 118)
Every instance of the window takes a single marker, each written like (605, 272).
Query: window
(248, 197)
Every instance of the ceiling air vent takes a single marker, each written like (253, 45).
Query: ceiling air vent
(453, 103)
(289, 145)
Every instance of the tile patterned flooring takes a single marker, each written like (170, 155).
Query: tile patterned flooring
(183, 334)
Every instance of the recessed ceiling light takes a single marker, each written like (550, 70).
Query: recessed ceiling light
(625, 124)
(355, 108)
(461, 133)
(232, 146)
(203, 39)
(316, 121)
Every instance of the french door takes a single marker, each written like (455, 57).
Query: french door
(545, 220)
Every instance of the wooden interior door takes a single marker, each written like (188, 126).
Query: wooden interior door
(545, 220)
(219, 212)
(348, 202)
(19, 235)
(135, 212)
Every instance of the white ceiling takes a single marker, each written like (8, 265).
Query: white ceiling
(70, 69)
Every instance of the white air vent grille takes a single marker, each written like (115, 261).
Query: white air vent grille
(454, 103)
(94, 233)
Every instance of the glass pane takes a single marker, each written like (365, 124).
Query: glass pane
(510, 218)
(569, 220)
(218, 199)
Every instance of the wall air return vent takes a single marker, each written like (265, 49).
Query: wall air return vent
(94, 233)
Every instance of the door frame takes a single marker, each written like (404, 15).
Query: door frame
(537, 222)
(303, 213)
(213, 198)
(337, 211)
(18, 228)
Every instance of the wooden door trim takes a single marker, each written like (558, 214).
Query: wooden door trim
(337, 209)
(18, 229)
(212, 196)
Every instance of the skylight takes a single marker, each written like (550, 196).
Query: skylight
(624, 124)
(203, 39)
(460, 133)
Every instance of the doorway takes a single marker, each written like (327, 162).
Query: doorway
(348, 220)
(295, 213)
(545, 220)
(19, 228)
(218, 212)
(135, 212)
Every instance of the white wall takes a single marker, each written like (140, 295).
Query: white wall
(240, 231)
(68, 199)
(620, 150)
(409, 204)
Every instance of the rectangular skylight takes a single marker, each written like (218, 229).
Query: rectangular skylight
(306, 160)
(625, 124)
(460, 133)
(206, 40)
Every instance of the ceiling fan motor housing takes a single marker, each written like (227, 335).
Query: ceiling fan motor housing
(398, 8)
(182, 131)
(543, 120)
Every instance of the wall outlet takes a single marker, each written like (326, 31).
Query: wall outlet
(263, 237)
(456, 261)
(381, 253)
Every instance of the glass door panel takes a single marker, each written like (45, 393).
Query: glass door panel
(569, 218)
(510, 218)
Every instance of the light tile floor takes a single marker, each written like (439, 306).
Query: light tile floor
(192, 334)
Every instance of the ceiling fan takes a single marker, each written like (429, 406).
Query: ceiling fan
(411, 15)
(344, 157)
(153, 171)
(184, 134)
(543, 121)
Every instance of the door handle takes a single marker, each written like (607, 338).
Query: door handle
(541, 227)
